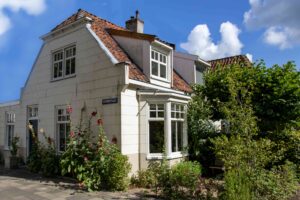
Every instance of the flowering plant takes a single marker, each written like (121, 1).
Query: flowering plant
(96, 164)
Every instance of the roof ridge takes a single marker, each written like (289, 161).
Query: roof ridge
(229, 57)
(60, 25)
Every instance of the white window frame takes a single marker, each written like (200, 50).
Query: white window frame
(33, 112)
(178, 115)
(167, 131)
(64, 62)
(157, 118)
(10, 119)
(66, 123)
(159, 62)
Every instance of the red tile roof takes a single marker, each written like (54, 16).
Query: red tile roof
(101, 27)
(224, 62)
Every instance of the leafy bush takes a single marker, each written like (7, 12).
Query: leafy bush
(14, 146)
(237, 185)
(43, 157)
(177, 182)
(117, 175)
(184, 178)
(144, 179)
(96, 165)
(50, 162)
(34, 161)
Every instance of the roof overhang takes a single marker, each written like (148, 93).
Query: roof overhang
(83, 20)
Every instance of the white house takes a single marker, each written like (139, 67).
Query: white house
(138, 83)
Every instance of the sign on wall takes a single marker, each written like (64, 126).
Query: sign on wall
(110, 101)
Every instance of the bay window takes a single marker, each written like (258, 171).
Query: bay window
(63, 127)
(166, 129)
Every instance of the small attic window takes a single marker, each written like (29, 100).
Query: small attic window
(159, 64)
(64, 63)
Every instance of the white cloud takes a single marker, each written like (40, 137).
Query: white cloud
(279, 18)
(200, 42)
(31, 7)
(250, 57)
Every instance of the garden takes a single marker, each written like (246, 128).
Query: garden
(244, 143)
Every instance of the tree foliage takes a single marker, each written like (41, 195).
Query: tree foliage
(260, 106)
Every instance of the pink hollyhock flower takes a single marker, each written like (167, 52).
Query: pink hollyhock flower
(72, 134)
(100, 122)
(94, 113)
(69, 109)
(86, 159)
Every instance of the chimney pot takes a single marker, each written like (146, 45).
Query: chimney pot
(135, 24)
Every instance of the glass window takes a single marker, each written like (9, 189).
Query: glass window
(156, 128)
(9, 128)
(158, 64)
(63, 127)
(64, 62)
(58, 64)
(177, 136)
(156, 133)
(177, 115)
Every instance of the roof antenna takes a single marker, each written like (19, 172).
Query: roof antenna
(137, 14)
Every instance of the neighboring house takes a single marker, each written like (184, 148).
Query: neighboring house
(241, 60)
(138, 83)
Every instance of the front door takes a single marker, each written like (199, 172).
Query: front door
(33, 134)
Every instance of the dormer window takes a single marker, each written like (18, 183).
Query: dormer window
(159, 64)
(64, 63)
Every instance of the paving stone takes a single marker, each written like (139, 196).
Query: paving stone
(23, 185)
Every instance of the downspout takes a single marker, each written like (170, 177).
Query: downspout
(139, 136)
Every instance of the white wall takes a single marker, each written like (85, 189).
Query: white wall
(184, 64)
(96, 79)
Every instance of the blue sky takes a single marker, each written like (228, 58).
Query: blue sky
(266, 29)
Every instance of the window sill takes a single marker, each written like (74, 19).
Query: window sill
(157, 78)
(63, 78)
(174, 155)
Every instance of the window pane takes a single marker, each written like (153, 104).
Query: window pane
(68, 67)
(62, 137)
(156, 56)
(160, 107)
(174, 147)
(73, 66)
(152, 106)
(152, 54)
(156, 135)
(163, 71)
(154, 68)
(180, 136)
(160, 114)
(153, 114)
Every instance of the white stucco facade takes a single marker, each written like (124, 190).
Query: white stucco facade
(99, 76)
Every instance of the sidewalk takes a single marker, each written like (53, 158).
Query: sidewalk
(23, 185)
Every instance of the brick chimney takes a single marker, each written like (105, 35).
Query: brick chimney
(135, 24)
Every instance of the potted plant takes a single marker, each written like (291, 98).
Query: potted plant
(14, 159)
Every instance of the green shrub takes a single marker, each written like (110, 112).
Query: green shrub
(184, 178)
(43, 157)
(34, 161)
(50, 162)
(144, 179)
(237, 185)
(279, 183)
(117, 175)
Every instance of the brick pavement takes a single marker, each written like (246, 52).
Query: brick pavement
(23, 185)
